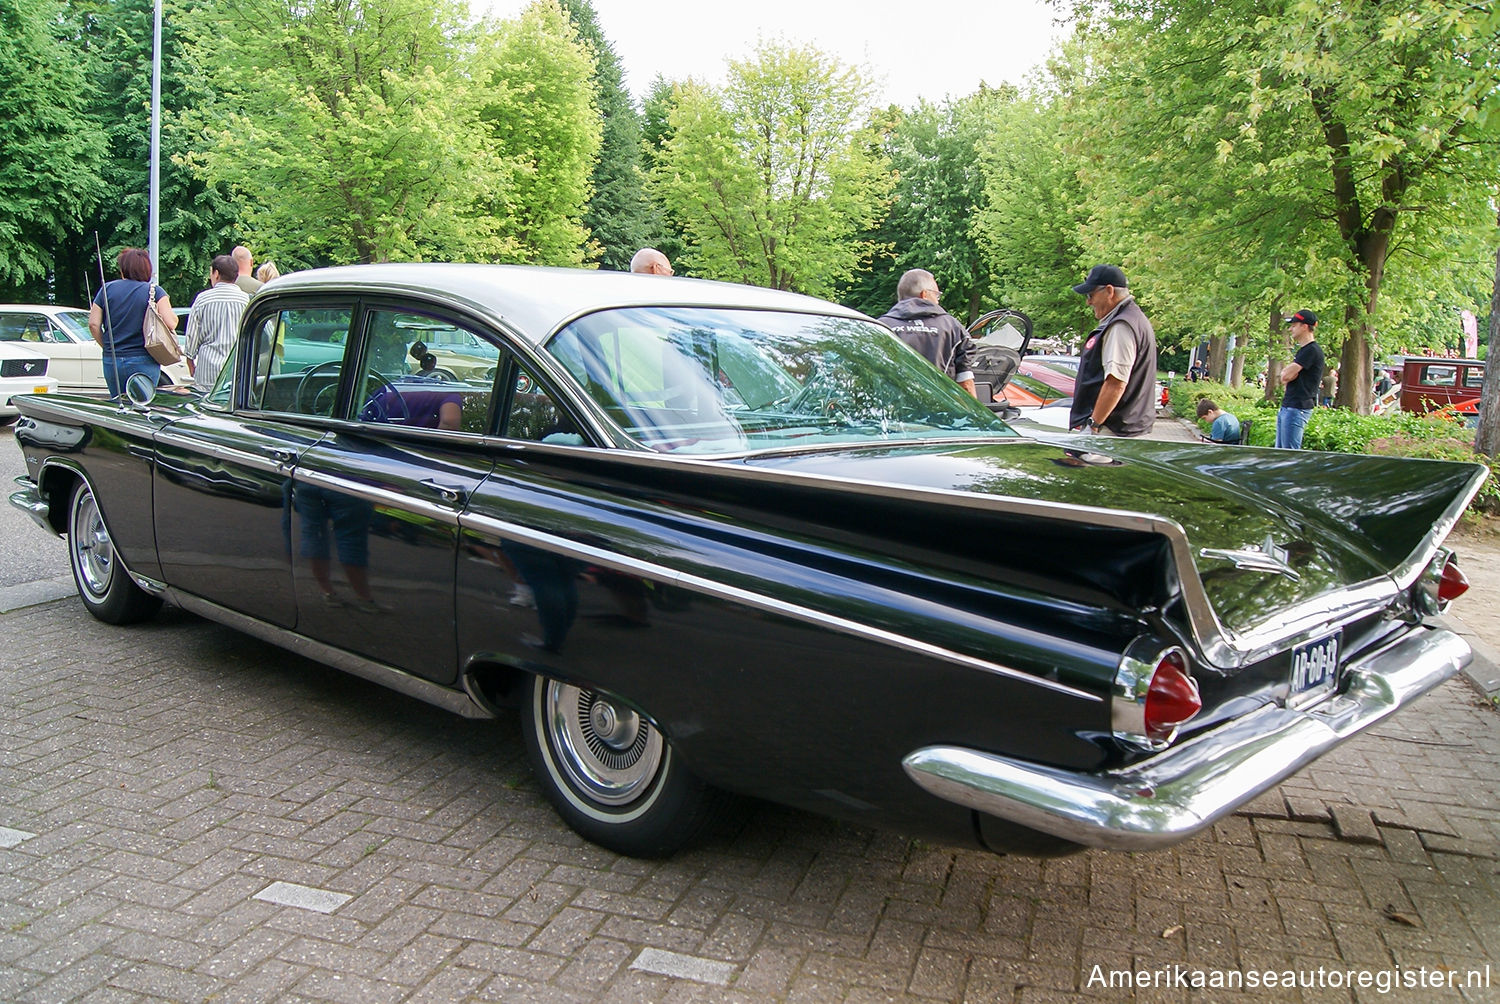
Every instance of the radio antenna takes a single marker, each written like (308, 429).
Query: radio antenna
(109, 326)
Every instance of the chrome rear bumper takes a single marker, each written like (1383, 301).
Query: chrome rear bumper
(1171, 796)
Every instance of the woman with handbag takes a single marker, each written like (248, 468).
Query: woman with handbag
(116, 320)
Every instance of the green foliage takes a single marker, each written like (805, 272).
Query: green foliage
(1246, 156)
(1028, 226)
(545, 129)
(348, 132)
(51, 151)
(617, 216)
(934, 153)
(772, 178)
(664, 231)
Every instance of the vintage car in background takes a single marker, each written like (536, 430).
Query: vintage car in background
(1432, 382)
(711, 538)
(22, 371)
(62, 335)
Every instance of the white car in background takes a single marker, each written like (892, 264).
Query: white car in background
(62, 335)
(22, 371)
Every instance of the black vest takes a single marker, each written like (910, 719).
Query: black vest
(1136, 412)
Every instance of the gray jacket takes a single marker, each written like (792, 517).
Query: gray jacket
(934, 333)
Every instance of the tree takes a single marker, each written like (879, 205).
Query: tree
(1487, 438)
(349, 131)
(1345, 143)
(53, 152)
(664, 231)
(934, 152)
(773, 177)
(1027, 226)
(545, 128)
(197, 219)
(617, 216)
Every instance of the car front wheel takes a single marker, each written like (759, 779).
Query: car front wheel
(103, 584)
(611, 774)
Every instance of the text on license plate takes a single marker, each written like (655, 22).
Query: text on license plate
(1315, 667)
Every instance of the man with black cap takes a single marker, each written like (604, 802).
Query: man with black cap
(1115, 393)
(1301, 377)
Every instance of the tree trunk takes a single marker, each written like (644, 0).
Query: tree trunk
(1216, 347)
(1276, 358)
(1487, 439)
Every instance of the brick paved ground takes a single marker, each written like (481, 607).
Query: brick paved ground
(169, 774)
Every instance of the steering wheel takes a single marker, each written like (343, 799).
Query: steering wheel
(300, 404)
(383, 402)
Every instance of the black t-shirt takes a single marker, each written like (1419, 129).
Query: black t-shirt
(1302, 393)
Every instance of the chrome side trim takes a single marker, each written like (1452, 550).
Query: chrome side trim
(456, 701)
(1173, 795)
(758, 601)
(153, 586)
(203, 447)
(382, 496)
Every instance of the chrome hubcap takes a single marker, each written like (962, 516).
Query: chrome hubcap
(93, 552)
(608, 750)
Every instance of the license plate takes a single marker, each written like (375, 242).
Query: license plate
(39, 390)
(1315, 670)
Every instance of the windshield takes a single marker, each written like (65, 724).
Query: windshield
(700, 380)
(76, 322)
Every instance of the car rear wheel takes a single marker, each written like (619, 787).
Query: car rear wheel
(611, 774)
(103, 584)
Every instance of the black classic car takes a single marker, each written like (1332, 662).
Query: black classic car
(712, 539)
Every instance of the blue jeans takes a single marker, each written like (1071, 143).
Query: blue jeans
(128, 363)
(1290, 424)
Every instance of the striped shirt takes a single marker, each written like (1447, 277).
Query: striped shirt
(212, 327)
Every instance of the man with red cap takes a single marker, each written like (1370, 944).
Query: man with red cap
(1301, 377)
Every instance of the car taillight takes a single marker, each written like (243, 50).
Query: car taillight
(1452, 582)
(1154, 695)
(1171, 698)
(1442, 583)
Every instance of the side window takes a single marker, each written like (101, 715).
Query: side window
(1473, 377)
(23, 327)
(299, 356)
(425, 373)
(534, 416)
(1439, 376)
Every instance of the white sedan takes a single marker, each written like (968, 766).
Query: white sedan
(22, 371)
(62, 335)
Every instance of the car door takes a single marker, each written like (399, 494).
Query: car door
(224, 488)
(70, 336)
(376, 503)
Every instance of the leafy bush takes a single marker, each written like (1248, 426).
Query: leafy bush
(1248, 404)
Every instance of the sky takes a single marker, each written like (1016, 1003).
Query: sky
(946, 48)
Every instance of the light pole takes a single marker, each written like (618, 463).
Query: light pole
(154, 246)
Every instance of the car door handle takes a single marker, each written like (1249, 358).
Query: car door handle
(283, 456)
(448, 493)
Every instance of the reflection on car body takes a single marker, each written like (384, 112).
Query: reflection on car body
(712, 538)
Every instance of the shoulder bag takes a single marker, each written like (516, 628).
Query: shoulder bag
(160, 340)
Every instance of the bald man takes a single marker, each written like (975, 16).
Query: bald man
(246, 280)
(649, 261)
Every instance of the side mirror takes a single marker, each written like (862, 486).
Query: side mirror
(140, 390)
